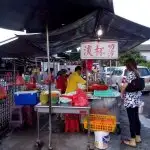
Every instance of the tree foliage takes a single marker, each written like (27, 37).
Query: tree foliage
(133, 54)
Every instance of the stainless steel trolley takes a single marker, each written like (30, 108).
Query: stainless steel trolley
(62, 109)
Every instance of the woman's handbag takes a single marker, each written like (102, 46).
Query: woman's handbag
(137, 84)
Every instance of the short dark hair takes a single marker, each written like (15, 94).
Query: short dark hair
(63, 71)
(131, 64)
(51, 70)
(78, 68)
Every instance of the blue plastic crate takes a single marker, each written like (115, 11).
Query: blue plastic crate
(26, 98)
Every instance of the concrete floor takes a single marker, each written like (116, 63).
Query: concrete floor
(25, 139)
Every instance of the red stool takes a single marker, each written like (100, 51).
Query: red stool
(71, 123)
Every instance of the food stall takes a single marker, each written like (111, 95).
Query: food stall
(103, 101)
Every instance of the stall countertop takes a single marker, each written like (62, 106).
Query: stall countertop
(62, 108)
(62, 105)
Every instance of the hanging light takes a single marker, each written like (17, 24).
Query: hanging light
(25, 31)
(99, 32)
(78, 49)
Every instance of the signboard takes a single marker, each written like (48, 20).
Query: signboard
(99, 50)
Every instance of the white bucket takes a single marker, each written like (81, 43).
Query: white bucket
(141, 108)
(101, 139)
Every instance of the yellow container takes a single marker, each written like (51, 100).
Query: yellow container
(99, 122)
(43, 98)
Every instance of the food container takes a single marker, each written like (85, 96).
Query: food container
(43, 98)
(55, 97)
(26, 98)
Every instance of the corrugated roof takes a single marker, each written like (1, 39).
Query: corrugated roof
(144, 47)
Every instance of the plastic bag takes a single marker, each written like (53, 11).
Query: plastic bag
(88, 65)
(32, 84)
(8, 74)
(20, 80)
(80, 98)
(3, 93)
(65, 100)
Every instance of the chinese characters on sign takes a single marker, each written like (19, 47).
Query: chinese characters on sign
(99, 50)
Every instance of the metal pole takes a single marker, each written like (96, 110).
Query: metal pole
(110, 72)
(14, 77)
(116, 63)
(24, 67)
(110, 63)
(36, 62)
(87, 78)
(38, 127)
(50, 105)
(89, 137)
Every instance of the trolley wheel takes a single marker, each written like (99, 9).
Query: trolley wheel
(50, 148)
(38, 145)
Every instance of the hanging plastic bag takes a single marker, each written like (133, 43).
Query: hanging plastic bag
(19, 80)
(87, 65)
(80, 99)
(32, 84)
(3, 93)
(8, 74)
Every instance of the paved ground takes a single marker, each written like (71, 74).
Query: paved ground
(24, 140)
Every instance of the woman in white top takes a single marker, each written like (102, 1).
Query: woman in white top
(132, 102)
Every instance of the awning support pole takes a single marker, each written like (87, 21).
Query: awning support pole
(49, 97)
(14, 76)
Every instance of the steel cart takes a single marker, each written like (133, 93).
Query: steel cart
(59, 109)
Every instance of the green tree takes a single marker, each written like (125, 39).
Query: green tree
(133, 54)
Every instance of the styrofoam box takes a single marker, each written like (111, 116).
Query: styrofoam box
(26, 98)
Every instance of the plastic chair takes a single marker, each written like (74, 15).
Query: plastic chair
(16, 117)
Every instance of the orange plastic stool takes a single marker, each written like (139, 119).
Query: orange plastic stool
(71, 123)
